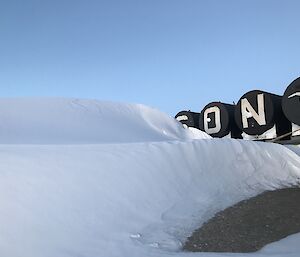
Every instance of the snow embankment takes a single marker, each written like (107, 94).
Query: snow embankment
(124, 199)
(79, 121)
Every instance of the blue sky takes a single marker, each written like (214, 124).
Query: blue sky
(168, 54)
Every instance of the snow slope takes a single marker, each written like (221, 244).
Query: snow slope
(122, 193)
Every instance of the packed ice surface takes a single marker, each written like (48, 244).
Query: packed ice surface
(135, 186)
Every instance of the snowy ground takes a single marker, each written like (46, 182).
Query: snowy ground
(84, 178)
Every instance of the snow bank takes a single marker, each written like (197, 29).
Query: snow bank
(78, 121)
(127, 199)
(130, 199)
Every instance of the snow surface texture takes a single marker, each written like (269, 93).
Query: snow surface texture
(122, 193)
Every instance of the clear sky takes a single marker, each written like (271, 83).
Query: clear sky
(169, 54)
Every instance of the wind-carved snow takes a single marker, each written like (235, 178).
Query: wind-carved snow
(136, 194)
(247, 170)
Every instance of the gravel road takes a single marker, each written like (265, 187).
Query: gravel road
(251, 224)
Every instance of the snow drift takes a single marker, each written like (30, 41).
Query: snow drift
(126, 193)
(79, 121)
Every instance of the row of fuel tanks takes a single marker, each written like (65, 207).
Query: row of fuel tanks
(258, 115)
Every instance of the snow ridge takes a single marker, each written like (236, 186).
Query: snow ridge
(81, 121)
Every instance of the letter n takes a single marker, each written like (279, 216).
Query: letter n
(248, 111)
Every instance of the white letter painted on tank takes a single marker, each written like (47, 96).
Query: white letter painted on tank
(248, 111)
(207, 120)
